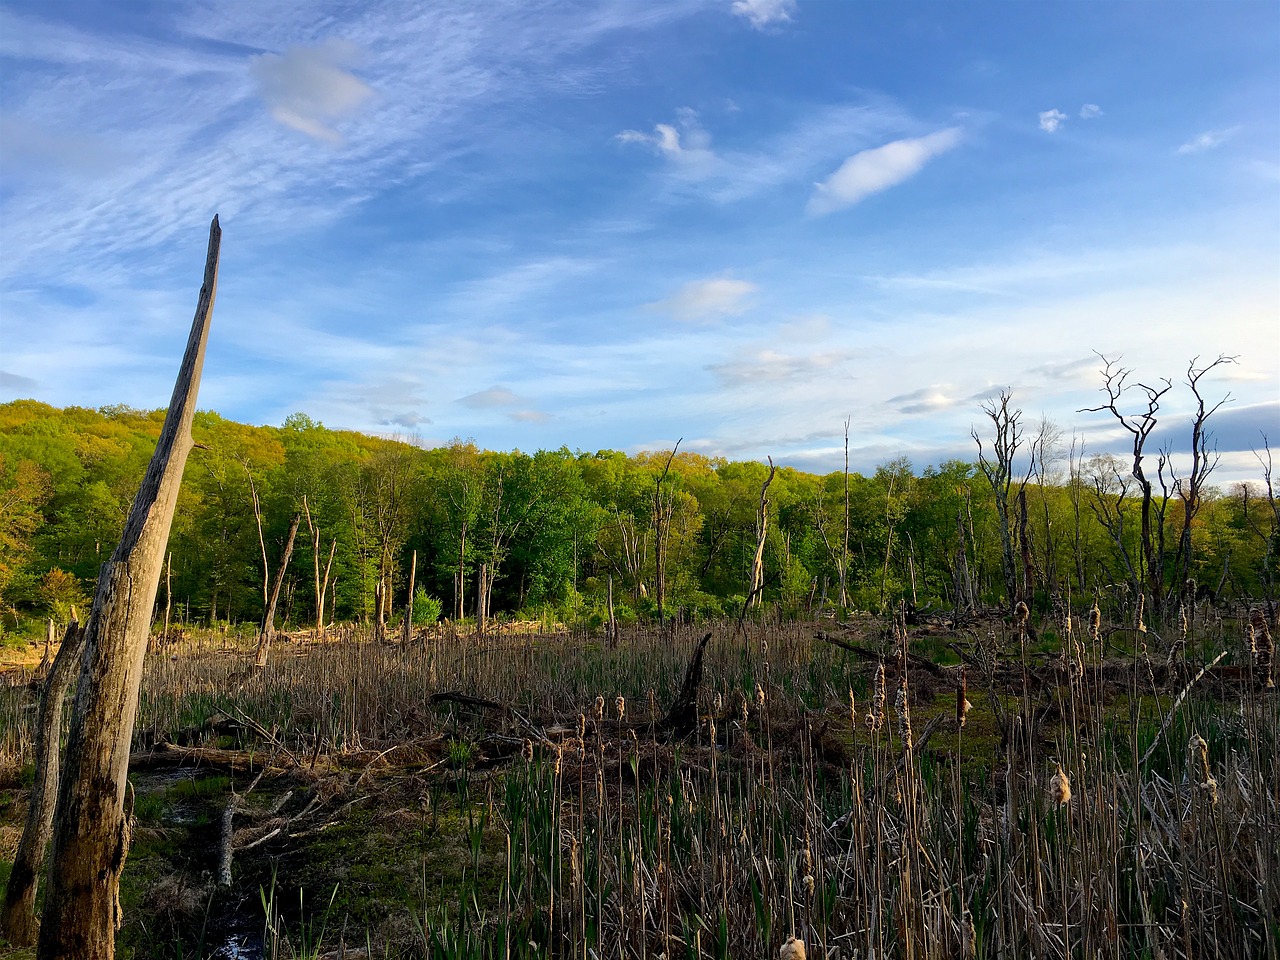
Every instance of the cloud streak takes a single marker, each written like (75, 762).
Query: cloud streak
(872, 171)
(709, 299)
(307, 88)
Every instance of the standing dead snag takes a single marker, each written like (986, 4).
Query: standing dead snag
(269, 614)
(90, 829)
(17, 915)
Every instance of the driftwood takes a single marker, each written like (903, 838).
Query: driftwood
(17, 916)
(90, 829)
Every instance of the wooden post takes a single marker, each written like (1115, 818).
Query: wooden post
(90, 830)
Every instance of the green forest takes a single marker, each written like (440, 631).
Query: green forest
(550, 535)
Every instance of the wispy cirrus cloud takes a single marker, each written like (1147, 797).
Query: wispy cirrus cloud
(308, 88)
(880, 168)
(708, 299)
(774, 366)
(1209, 140)
(686, 144)
(764, 13)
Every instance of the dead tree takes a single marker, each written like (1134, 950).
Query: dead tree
(1203, 461)
(268, 627)
(90, 827)
(662, 513)
(322, 582)
(1007, 425)
(1139, 427)
(17, 915)
(754, 589)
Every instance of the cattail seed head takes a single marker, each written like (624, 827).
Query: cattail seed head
(962, 703)
(903, 709)
(968, 937)
(1095, 621)
(808, 885)
(1060, 787)
(793, 949)
(1142, 606)
(1021, 614)
(719, 703)
(853, 708)
(599, 706)
(759, 695)
(620, 705)
(527, 751)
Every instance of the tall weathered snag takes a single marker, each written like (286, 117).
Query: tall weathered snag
(90, 830)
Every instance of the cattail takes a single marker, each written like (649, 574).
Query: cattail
(719, 703)
(621, 706)
(745, 710)
(853, 709)
(759, 695)
(968, 937)
(559, 759)
(599, 706)
(808, 885)
(875, 717)
(1142, 606)
(1095, 622)
(528, 751)
(1263, 651)
(1198, 757)
(793, 949)
(711, 729)
(582, 725)
(1184, 622)
(962, 701)
(1060, 787)
(1021, 614)
(903, 709)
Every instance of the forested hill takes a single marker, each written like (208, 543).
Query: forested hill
(548, 531)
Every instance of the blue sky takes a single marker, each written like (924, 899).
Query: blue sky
(612, 225)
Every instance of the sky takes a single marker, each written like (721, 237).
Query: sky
(615, 225)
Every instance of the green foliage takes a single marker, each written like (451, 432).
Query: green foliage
(426, 609)
(552, 528)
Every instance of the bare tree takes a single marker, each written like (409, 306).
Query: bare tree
(662, 513)
(1007, 438)
(1190, 489)
(90, 826)
(1139, 426)
(322, 582)
(268, 628)
(17, 915)
(756, 586)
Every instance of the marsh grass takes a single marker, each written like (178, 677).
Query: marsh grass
(578, 830)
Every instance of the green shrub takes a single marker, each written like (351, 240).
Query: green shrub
(426, 609)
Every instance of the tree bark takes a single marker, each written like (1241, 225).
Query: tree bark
(90, 829)
(408, 607)
(17, 916)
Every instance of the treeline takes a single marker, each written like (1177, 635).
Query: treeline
(553, 533)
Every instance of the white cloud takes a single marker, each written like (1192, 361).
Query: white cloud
(1090, 111)
(709, 299)
(685, 143)
(878, 169)
(487, 399)
(1051, 120)
(772, 366)
(1208, 140)
(306, 88)
(530, 416)
(762, 13)
(925, 400)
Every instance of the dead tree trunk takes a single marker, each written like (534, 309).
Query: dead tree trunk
(754, 589)
(269, 615)
(90, 830)
(408, 607)
(17, 916)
